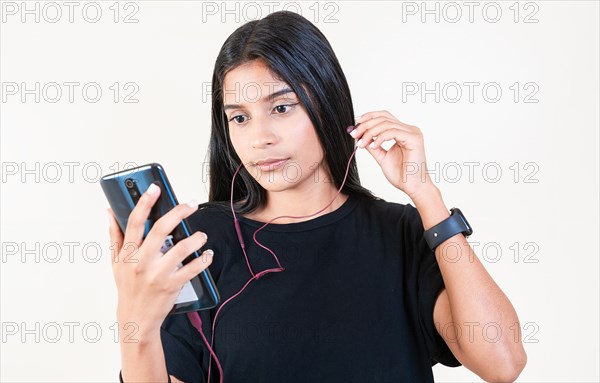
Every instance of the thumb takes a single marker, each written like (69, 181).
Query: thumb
(378, 153)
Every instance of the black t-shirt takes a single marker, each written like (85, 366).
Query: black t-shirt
(355, 303)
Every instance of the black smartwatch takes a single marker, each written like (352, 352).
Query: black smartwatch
(448, 228)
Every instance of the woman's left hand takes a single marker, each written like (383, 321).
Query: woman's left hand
(403, 164)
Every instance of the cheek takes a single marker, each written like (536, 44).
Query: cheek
(304, 131)
(236, 143)
(236, 136)
(308, 141)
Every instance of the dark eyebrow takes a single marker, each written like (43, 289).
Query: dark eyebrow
(269, 97)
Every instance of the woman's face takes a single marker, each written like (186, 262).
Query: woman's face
(267, 122)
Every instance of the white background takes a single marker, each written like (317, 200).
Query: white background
(549, 207)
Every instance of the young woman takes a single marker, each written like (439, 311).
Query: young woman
(344, 287)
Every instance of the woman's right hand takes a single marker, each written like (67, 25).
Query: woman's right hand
(148, 282)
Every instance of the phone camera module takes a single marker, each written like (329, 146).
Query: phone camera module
(129, 183)
(133, 190)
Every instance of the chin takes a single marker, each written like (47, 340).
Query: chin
(275, 187)
(276, 183)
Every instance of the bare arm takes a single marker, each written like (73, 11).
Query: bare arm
(471, 297)
(472, 314)
(143, 360)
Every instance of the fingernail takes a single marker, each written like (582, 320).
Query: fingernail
(359, 143)
(152, 189)
(356, 118)
(353, 133)
(209, 253)
(193, 203)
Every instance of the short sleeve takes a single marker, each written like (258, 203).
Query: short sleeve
(182, 348)
(429, 285)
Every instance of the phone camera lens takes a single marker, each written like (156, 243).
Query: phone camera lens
(129, 183)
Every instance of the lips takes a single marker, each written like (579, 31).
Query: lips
(271, 163)
(269, 160)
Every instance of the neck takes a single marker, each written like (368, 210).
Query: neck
(298, 203)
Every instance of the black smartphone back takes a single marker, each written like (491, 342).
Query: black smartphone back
(123, 190)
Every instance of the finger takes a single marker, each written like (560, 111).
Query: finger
(370, 133)
(136, 222)
(116, 235)
(195, 267)
(408, 140)
(379, 113)
(358, 130)
(378, 153)
(385, 134)
(365, 126)
(367, 117)
(365, 133)
(183, 249)
(165, 225)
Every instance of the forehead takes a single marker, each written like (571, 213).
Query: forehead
(250, 83)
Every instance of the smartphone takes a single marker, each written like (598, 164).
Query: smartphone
(123, 190)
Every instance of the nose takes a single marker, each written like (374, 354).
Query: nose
(262, 134)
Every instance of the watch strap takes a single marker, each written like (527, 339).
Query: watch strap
(446, 229)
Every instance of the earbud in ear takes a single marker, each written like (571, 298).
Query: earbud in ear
(352, 127)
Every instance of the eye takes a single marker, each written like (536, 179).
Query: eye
(239, 119)
(283, 108)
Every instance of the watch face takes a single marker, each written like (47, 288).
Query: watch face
(459, 213)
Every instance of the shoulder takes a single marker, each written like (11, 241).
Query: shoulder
(388, 218)
(388, 211)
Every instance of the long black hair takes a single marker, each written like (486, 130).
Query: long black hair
(297, 53)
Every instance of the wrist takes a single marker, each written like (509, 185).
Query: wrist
(448, 228)
(431, 206)
(133, 333)
(425, 193)
(136, 326)
(139, 348)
